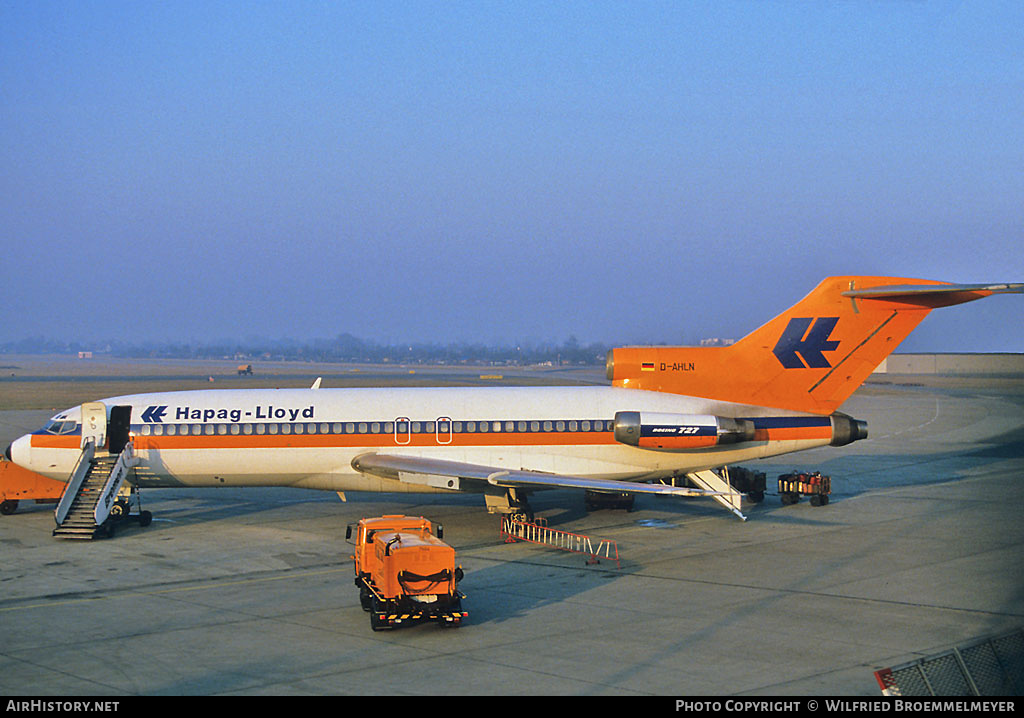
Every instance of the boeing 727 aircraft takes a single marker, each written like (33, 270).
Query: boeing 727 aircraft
(671, 417)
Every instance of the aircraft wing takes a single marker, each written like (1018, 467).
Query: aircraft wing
(449, 475)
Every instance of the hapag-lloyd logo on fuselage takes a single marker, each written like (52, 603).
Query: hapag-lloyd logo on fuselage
(156, 414)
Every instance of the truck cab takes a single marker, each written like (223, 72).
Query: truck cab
(364, 558)
(405, 573)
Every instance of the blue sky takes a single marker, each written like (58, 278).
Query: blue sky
(623, 172)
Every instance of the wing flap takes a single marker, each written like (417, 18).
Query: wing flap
(450, 474)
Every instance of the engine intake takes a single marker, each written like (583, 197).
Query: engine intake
(679, 432)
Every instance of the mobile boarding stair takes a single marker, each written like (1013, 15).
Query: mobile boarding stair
(89, 506)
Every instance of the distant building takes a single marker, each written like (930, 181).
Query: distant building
(716, 342)
(85, 355)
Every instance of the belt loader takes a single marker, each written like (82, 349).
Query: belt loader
(405, 574)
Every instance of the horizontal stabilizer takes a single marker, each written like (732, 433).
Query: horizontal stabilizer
(907, 292)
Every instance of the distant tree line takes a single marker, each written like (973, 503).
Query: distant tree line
(343, 348)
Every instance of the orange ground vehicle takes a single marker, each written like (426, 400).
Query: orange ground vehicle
(406, 574)
(18, 484)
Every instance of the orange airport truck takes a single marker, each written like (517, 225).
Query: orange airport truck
(18, 484)
(405, 574)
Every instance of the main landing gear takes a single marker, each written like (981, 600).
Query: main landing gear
(512, 503)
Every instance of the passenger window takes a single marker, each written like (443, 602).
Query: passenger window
(362, 427)
(510, 426)
(547, 426)
(222, 429)
(559, 426)
(375, 427)
(470, 427)
(158, 429)
(585, 426)
(286, 428)
(299, 428)
(534, 426)
(271, 428)
(484, 426)
(197, 429)
(247, 429)
(261, 428)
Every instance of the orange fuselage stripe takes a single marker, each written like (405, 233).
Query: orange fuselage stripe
(325, 441)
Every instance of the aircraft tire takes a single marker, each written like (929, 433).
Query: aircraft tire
(8, 507)
(145, 519)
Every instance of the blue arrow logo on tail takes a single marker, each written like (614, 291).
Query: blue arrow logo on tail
(797, 342)
(154, 414)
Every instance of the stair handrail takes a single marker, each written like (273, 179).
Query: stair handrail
(126, 460)
(75, 480)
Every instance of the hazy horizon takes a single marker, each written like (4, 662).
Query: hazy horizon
(411, 171)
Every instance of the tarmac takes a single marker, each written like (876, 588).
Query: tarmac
(250, 591)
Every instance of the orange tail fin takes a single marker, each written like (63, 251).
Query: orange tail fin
(809, 358)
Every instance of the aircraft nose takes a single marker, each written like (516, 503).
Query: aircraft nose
(16, 447)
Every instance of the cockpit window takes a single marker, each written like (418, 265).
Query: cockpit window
(60, 427)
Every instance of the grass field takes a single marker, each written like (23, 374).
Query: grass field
(57, 382)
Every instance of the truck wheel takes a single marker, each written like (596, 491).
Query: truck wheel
(365, 598)
(378, 622)
(145, 518)
(8, 507)
(816, 500)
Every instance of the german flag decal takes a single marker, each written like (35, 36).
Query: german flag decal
(647, 366)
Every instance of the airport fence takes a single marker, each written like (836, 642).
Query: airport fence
(540, 533)
(990, 666)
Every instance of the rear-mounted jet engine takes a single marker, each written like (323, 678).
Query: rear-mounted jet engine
(679, 432)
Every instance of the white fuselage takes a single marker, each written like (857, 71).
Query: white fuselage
(309, 437)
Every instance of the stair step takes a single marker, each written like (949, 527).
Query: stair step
(79, 517)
